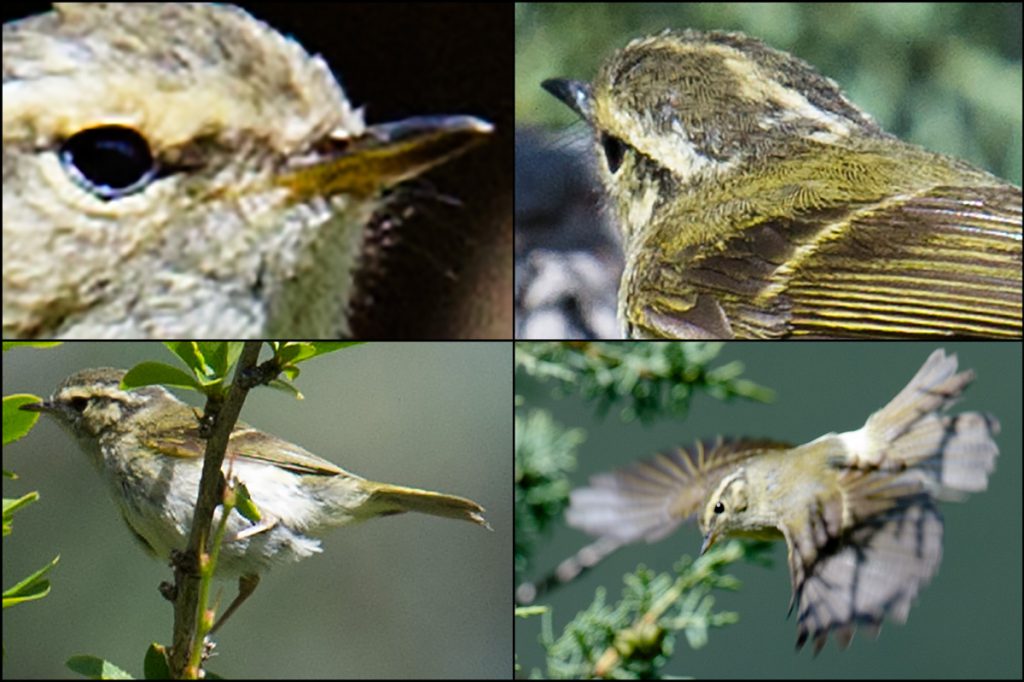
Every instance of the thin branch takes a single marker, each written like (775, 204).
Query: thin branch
(223, 415)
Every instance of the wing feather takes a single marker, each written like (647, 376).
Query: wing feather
(648, 499)
(943, 261)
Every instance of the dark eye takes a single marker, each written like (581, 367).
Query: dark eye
(79, 404)
(614, 151)
(719, 507)
(108, 161)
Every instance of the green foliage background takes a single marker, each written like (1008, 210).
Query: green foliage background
(946, 76)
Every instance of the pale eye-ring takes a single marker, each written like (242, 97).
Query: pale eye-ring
(719, 507)
(108, 161)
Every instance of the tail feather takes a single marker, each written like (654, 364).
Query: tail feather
(934, 388)
(395, 499)
(952, 454)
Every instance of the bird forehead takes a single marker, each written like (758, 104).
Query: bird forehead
(688, 80)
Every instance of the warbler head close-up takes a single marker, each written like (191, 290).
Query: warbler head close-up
(187, 170)
(755, 200)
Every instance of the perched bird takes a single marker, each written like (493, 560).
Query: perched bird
(756, 201)
(184, 170)
(857, 510)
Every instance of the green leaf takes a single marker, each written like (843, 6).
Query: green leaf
(188, 352)
(323, 347)
(30, 588)
(149, 373)
(154, 665)
(245, 506)
(293, 352)
(285, 387)
(286, 352)
(12, 505)
(219, 356)
(234, 351)
(18, 422)
(30, 344)
(96, 668)
(210, 361)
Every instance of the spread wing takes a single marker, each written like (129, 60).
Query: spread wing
(946, 261)
(864, 550)
(650, 498)
(644, 500)
(842, 581)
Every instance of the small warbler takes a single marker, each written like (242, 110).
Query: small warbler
(857, 510)
(184, 170)
(146, 447)
(756, 201)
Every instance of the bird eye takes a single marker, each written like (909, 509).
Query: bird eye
(614, 151)
(108, 161)
(719, 507)
(78, 404)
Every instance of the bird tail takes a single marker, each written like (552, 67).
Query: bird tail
(955, 453)
(385, 499)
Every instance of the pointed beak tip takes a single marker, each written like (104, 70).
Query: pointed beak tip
(385, 155)
(422, 126)
(476, 125)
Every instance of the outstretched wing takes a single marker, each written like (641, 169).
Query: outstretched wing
(857, 579)
(863, 551)
(645, 500)
(650, 498)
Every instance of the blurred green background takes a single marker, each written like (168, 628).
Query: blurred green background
(965, 624)
(405, 596)
(946, 76)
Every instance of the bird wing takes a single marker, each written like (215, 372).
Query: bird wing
(947, 261)
(648, 499)
(864, 547)
(845, 580)
(944, 261)
(645, 500)
(248, 443)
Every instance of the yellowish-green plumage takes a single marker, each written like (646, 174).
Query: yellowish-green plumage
(756, 201)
